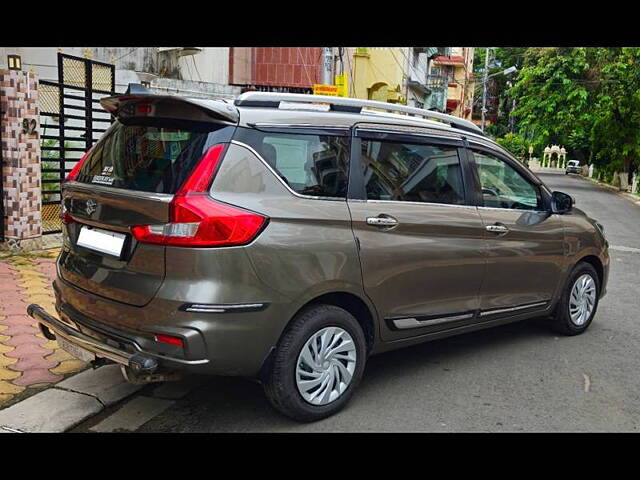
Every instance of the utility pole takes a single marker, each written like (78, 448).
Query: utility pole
(484, 87)
(512, 119)
(326, 77)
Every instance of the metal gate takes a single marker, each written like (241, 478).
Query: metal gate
(71, 121)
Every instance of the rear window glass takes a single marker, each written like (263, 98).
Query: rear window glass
(310, 164)
(156, 156)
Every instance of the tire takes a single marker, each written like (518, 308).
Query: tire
(280, 381)
(561, 321)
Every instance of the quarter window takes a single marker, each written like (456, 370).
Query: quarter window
(503, 186)
(412, 172)
(315, 165)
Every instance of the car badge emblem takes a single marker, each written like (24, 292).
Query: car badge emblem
(90, 207)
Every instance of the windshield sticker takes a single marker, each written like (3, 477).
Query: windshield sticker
(105, 178)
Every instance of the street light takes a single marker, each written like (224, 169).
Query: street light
(505, 72)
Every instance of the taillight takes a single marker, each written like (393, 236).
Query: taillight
(65, 216)
(196, 220)
(202, 175)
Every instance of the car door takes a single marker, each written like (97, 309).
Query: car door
(525, 242)
(420, 241)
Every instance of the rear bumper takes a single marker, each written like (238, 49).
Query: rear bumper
(233, 343)
(130, 357)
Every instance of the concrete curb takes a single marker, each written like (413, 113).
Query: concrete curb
(629, 196)
(68, 403)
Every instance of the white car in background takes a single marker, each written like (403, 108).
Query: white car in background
(573, 166)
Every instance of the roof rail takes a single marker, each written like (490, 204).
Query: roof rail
(354, 105)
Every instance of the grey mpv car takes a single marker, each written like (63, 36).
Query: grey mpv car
(288, 237)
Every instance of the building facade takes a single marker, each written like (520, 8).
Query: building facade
(195, 71)
(279, 69)
(427, 87)
(457, 67)
(376, 73)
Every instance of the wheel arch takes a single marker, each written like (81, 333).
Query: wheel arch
(352, 303)
(596, 263)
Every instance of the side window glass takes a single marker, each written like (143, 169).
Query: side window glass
(503, 186)
(315, 165)
(412, 172)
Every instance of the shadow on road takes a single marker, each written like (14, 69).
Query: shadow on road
(234, 404)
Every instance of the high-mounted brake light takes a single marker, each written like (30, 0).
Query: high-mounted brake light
(76, 169)
(144, 109)
(197, 220)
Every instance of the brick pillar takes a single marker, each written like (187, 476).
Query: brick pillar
(21, 158)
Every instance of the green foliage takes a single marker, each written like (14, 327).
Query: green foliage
(50, 161)
(615, 133)
(586, 99)
(499, 102)
(515, 143)
(553, 96)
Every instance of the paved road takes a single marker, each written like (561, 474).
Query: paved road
(518, 377)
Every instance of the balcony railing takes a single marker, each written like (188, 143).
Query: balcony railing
(436, 81)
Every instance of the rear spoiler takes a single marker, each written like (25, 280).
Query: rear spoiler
(215, 109)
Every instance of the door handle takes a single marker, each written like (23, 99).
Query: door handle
(497, 228)
(381, 221)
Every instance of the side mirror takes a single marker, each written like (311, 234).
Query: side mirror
(561, 202)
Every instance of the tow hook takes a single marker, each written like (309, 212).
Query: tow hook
(142, 379)
(143, 365)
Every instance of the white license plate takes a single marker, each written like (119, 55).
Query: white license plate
(76, 351)
(102, 241)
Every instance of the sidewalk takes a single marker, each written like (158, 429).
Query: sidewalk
(28, 361)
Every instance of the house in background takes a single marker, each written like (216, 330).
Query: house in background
(434, 78)
(457, 67)
(194, 71)
(376, 73)
(275, 69)
(426, 84)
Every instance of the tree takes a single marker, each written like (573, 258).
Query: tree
(499, 103)
(555, 91)
(615, 132)
(587, 99)
(515, 143)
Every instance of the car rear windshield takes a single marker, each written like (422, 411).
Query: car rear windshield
(150, 155)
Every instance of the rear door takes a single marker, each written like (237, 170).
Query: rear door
(129, 178)
(525, 241)
(421, 241)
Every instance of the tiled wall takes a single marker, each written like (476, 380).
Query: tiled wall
(282, 66)
(20, 154)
